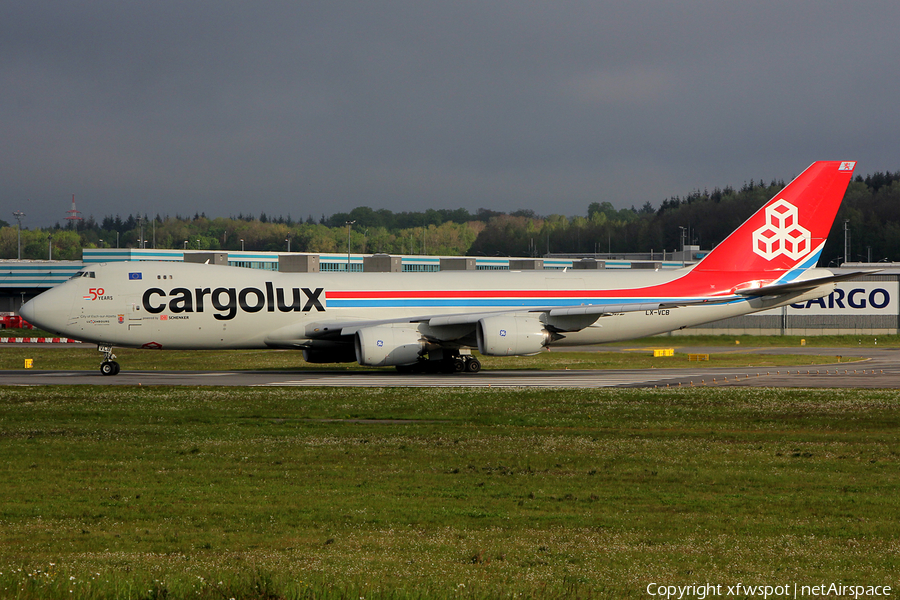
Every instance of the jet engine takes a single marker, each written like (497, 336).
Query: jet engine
(510, 335)
(383, 346)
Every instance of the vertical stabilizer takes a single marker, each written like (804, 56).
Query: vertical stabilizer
(790, 230)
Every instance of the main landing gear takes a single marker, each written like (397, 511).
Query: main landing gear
(109, 366)
(448, 364)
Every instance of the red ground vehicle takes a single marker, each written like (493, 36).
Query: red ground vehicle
(14, 322)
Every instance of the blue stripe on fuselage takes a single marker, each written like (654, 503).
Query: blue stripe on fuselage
(464, 302)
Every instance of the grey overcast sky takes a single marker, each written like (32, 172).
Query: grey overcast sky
(300, 108)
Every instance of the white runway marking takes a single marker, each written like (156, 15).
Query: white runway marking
(177, 374)
(598, 379)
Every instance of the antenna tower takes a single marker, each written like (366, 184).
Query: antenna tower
(73, 215)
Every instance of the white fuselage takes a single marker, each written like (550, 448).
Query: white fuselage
(188, 306)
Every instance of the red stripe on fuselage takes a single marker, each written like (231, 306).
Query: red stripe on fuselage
(691, 285)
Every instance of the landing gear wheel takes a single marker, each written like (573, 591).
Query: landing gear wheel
(452, 365)
(110, 368)
(473, 365)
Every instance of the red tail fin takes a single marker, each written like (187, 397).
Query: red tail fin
(790, 230)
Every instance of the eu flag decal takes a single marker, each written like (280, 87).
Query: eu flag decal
(134, 276)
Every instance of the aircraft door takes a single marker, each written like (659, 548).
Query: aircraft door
(134, 314)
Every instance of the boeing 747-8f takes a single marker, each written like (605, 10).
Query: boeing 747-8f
(432, 321)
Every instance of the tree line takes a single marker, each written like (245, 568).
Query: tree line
(871, 209)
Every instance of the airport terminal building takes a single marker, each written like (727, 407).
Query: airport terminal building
(865, 306)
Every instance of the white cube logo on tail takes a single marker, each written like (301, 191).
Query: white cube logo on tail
(782, 233)
(847, 166)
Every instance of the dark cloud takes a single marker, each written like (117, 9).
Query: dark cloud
(310, 108)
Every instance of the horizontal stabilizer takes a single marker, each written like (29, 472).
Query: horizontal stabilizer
(803, 285)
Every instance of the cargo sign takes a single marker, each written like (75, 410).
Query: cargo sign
(851, 298)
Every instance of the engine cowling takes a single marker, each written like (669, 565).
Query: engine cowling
(384, 346)
(510, 335)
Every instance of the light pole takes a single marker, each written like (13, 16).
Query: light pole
(682, 243)
(349, 225)
(18, 215)
(50, 247)
(141, 241)
(242, 245)
(101, 243)
(846, 239)
(185, 244)
(288, 240)
(198, 244)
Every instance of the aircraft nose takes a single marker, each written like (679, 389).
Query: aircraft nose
(49, 310)
(29, 309)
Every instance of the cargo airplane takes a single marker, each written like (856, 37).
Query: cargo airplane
(432, 321)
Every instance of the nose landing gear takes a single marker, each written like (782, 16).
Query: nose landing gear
(109, 366)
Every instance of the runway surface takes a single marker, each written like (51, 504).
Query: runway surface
(870, 369)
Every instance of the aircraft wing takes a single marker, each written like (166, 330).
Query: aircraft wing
(579, 316)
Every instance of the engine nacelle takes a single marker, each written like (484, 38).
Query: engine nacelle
(510, 335)
(384, 346)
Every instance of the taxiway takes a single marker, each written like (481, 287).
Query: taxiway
(869, 369)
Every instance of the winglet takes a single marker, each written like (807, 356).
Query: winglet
(790, 230)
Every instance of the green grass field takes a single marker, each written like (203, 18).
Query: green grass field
(638, 356)
(392, 493)
(773, 341)
(88, 359)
